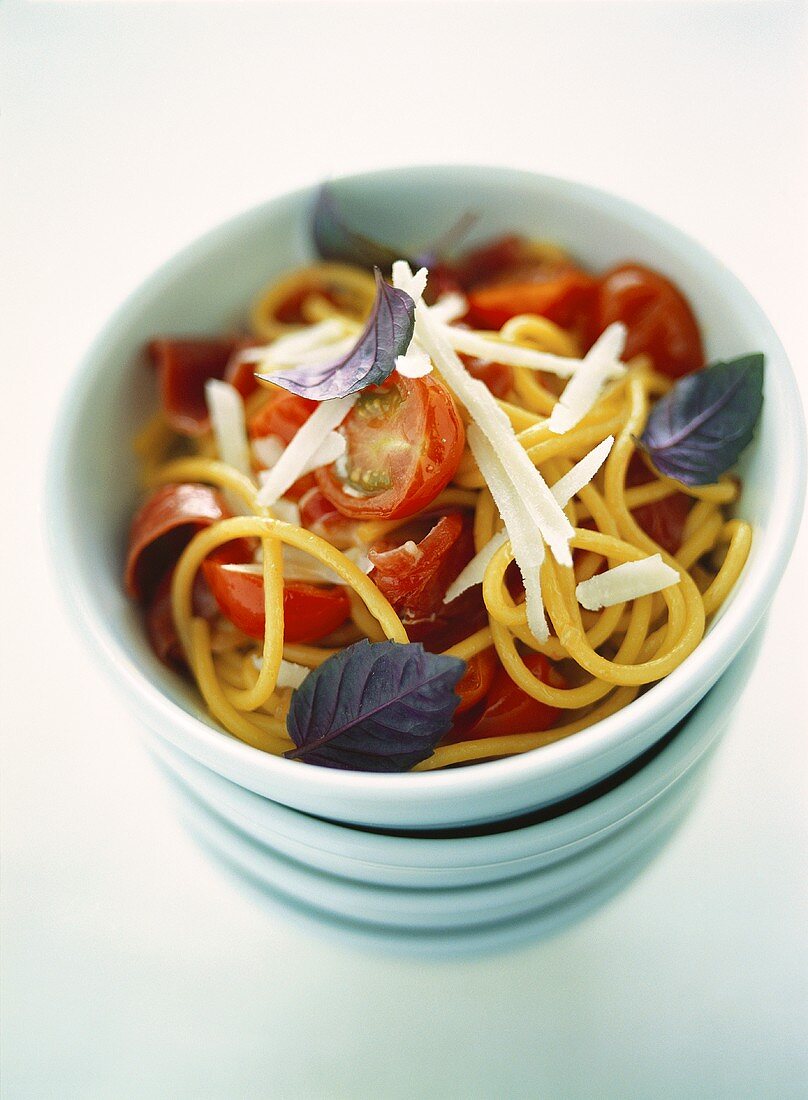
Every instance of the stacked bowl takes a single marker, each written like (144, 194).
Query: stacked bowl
(504, 848)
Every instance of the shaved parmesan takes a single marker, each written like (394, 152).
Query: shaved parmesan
(581, 473)
(268, 449)
(525, 538)
(549, 520)
(290, 675)
(287, 511)
(300, 566)
(474, 572)
(416, 363)
(450, 307)
(360, 559)
(287, 349)
(226, 409)
(585, 386)
(514, 355)
(629, 581)
(403, 279)
(309, 438)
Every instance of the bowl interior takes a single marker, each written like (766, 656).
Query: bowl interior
(208, 289)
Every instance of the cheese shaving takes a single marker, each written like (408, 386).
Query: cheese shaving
(515, 355)
(474, 572)
(226, 409)
(268, 449)
(581, 473)
(525, 539)
(416, 363)
(290, 466)
(287, 349)
(450, 307)
(625, 582)
(549, 519)
(290, 675)
(585, 387)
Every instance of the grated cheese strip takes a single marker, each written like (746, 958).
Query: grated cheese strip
(286, 349)
(474, 572)
(539, 502)
(584, 388)
(514, 355)
(326, 418)
(290, 675)
(416, 363)
(268, 449)
(581, 473)
(450, 307)
(625, 582)
(525, 539)
(226, 408)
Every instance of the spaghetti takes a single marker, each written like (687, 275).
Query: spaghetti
(366, 545)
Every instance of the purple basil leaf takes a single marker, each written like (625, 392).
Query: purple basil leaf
(387, 334)
(335, 240)
(698, 429)
(374, 707)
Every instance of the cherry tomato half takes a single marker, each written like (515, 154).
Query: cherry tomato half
(662, 520)
(563, 295)
(415, 577)
(404, 442)
(309, 612)
(476, 681)
(659, 320)
(283, 415)
(508, 709)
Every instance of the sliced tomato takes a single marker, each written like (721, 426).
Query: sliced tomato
(659, 319)
(283, 415)
(161, 529)
(497, 376)
(309, 612)
(404, 443)
(508, 709)
(564, 295)
(415, 566)
(318, 515)
(491, 259)
(662, 520)
(476, 681)
(183, 368)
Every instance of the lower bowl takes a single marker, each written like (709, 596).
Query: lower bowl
(405, 882)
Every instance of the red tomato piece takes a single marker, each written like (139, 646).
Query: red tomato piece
(414, 575)
(497, 376)
(659, 319)
(162, 528)
(283, 415)
(508, 709)
(416, 582)
(309, 612)
(662, 520)
(318, 515)
(183, 368)
(476, 681)
(563, 295)
(404, 442)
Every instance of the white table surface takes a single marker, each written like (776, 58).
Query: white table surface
(131, 965)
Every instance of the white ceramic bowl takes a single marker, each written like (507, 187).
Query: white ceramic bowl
(467, 880)
(208, 288)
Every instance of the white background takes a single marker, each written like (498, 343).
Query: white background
(132, 966)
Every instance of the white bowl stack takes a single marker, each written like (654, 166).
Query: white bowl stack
(342, 844)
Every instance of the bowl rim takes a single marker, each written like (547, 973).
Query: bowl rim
(713, 654)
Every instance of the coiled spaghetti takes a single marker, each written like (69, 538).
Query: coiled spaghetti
(607, 656)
